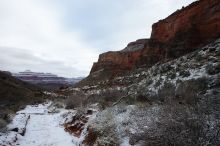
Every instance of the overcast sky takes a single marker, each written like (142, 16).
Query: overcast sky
(65, 37)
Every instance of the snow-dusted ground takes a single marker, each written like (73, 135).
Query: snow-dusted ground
(42, 128)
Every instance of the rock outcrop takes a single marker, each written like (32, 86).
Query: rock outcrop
(120, 60)
(199, 22)
(182, 32)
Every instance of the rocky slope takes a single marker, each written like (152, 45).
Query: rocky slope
(178, 34)
(12, 89)
(160, 91)
(172, 103)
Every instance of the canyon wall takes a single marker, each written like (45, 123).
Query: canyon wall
(120, 60)
(182, 32)
(200, 20)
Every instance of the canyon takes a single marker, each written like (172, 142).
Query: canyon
(160, 91)
(180, 33)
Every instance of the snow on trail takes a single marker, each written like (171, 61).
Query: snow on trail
(43, 128)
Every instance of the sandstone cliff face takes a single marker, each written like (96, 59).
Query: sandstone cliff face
(120, 60)
(180, 33)
(201, 20)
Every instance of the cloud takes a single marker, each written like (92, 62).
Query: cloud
(112, 24)
(37, 29)
(66, 36)
(15, 59)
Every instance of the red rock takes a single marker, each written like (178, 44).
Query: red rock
(200, 20)
(178, 34)
(120, 60)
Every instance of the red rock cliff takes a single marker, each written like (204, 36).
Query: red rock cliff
(178, 34)
(201, 20)
(120, 60)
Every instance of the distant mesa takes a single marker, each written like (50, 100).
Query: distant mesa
(30, 76)
(46, 80)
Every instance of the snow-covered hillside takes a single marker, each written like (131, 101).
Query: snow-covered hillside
(172, 103)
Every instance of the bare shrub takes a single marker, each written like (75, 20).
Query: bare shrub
(105, 128)
(75, 100)
(3, 124)
(91, 137)
(105, 98)
(112, 95)
(166, 92)
(188, 91)
(213, 69)
(184, 73)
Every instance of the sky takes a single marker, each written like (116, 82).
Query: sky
(65, 37)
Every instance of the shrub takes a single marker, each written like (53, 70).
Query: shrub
(158, 83)
(91, 137)
(166, 92)
(3, 125)
(184, 73)
(198, 58)
(142, 98)
(188, 91)
(74, 100)
(165, 68)
(172, 75)
(104, 103)
(213, 69)
(130, 100)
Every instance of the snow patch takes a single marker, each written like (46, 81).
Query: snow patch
(42, 129)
